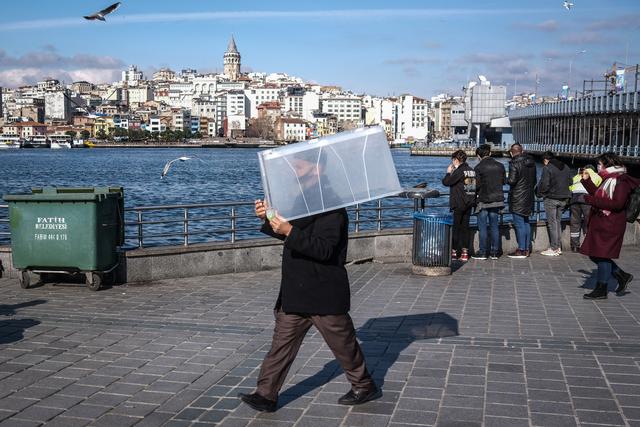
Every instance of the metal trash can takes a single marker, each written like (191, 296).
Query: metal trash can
(431, 244)
(67, 230)
(419, 195)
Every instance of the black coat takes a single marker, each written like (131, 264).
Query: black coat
(489, 180)
(461, 197)
(555, 181)
(522, 184)
(314, 279)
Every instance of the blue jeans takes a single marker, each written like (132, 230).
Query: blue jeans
(523, 231)
(606, 266)
(489, 218)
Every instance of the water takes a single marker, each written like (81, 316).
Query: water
(221, 174)
(215, 175)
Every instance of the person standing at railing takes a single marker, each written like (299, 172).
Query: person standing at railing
(554, 190)
(579, 208)
(461, 178)
(490, 177)
(522, 183)
(607, 222)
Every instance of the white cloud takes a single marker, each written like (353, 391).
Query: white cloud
(262, 14)
(34, 66)
(546, 26)
(15, 77)
(50, 58)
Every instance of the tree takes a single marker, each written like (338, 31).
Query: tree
(85, 134)
(260, 128)
(71, 133)
(101, 135)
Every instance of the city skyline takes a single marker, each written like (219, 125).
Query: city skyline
(377, 50)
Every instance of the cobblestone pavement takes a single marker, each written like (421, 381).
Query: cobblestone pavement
(499, 343)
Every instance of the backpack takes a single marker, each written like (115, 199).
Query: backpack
(469, 187)
(633, 205)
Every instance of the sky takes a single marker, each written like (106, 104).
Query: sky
(421, 47)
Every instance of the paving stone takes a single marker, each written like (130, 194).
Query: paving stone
(307, 421)
(84, 410)
(531, 345)
(38, 413)
(62, 421)
(459, 414)
(402, 416)
(600, 417)
(560, 408)
(110, 420)
(552, 420)
(491, 421)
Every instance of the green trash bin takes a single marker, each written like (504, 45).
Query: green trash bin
(67, 230)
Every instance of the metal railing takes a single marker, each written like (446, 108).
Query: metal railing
(5, 234)
(235, 220)
(189, 224)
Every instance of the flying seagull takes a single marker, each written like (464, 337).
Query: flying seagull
(567, 5)
(104, 12)
(165, 170)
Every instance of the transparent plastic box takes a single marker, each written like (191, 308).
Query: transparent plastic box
(320, 175)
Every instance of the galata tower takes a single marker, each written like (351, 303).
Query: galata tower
(232, 61)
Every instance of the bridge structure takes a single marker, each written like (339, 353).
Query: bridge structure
(582, 128)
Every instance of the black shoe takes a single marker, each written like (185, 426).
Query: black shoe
(600, 292)
(258, 402)
(360, 397)
(494, 255)
(623, 280)
(479, 255)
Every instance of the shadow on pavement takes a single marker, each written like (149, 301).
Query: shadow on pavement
(383, 340)
(11, 330)
(10, 309)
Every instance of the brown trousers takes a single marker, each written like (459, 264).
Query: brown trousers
(290, 330)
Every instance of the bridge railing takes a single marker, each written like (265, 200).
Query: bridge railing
(591, 149)
(189, 224)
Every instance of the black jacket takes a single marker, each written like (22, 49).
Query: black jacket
(462, 183)
(489, 180)
(314, 279)
(555, 181)
(522, 184)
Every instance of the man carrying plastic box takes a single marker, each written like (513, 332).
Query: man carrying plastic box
(314, 291)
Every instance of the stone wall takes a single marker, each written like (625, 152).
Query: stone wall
(393, 245)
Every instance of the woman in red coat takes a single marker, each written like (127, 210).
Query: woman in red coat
(607, 222)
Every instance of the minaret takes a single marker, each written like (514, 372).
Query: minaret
(232, 61)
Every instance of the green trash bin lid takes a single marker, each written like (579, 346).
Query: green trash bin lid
(67, 194)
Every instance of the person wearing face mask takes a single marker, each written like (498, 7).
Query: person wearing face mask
(461, 178)
(607, 222)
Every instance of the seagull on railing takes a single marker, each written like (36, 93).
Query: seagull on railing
(104, 12)
(165, 170)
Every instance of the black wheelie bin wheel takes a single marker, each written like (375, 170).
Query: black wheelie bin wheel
(24, 278)
(93, 280)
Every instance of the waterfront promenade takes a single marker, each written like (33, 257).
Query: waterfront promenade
(499, 343)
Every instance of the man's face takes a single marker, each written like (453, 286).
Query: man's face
(545, 162)
(306, 171)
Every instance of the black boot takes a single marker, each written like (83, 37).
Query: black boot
(600, 292)
(623, 280)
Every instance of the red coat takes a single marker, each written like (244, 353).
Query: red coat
(605, 232)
